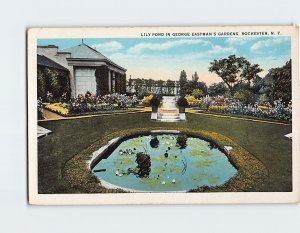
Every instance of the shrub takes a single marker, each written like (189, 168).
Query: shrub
(182, 102)
(155, 102)
(227, 94)
(197, 93)
(243, 95)
(263, 99)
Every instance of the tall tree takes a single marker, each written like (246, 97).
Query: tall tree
(170, 86)
(202, 86)
(160, 84)
(138, 84)
(183, 82)
(151, 83)
(249, 71)
(234, 70)
(195, 77)
(282, 82)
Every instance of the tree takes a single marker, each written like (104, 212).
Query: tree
(195, 77)
(130, 82)
(202, 86)
(234, 70)
(170, 86)
(282, 77)
(256, 84)
(151, 83)
(183, 82)
(160, 84)
(249, 71)
(138, 84)
(217, 89)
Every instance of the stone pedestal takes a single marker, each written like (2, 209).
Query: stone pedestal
(154, 116)
(182, 116)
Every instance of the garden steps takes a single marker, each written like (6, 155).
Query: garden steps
(168, 117)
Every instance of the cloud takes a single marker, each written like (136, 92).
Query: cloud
(267, 44)
(219, 50)
(239, 40)
(112, 46)
(139, 48)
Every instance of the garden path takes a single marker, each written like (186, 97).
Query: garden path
(48, 115)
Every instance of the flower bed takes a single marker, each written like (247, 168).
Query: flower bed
(60, 108)
(192, 100)
(91, 103)
(275, 111)
(146, 100)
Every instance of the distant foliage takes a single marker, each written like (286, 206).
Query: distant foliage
(197, 93)
(282, 82)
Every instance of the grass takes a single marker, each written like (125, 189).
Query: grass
(265, 141)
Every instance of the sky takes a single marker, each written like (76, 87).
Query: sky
(165, 58)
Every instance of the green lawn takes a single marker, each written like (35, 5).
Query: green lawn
(263, 140)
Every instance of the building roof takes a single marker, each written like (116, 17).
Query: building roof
(45, 61)
(83, 51)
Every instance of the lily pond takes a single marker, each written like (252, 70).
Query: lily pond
(164, 163)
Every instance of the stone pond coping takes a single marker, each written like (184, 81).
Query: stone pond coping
(251, 172)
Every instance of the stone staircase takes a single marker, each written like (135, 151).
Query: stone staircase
(168, 112)
(168, 117)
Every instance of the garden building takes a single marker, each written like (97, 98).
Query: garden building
(86, 69)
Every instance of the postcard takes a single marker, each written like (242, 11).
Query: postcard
(163, 115)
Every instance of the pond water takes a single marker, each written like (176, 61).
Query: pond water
(159, 163)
